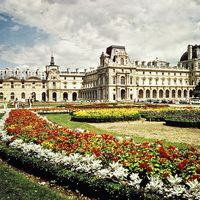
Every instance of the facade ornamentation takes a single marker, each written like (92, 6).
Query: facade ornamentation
(117, 78)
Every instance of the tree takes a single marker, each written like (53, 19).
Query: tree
(196, 91)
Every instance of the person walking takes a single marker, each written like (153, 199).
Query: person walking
(16, 103)
(30, 102)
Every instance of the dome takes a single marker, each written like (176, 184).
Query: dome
(184, 56)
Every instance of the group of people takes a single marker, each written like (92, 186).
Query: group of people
(17, 103)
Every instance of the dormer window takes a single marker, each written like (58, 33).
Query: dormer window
(122, 61)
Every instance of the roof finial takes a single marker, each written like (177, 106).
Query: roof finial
(52, 59)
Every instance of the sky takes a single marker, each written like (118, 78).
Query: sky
(76, 32)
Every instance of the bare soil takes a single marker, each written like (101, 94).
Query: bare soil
(156, 130)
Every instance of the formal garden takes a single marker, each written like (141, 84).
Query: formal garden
(61, 144)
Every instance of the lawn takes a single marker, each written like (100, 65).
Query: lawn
(140, 130)
(64, 120)
(16, 186)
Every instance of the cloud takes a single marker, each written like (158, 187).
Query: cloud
(79, 30)
(3, 18)
(15, 28)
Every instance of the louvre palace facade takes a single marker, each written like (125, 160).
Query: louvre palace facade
(117, 78)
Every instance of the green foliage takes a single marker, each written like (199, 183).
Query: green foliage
(181, 118)
(196, 91)
(15, 185)
(65, 121)
(88, 185)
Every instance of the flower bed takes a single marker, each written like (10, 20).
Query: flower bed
(106, 115)
(117, 167)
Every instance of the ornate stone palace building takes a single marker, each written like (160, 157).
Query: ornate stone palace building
(116, 78)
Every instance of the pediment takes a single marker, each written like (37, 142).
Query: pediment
(33, 78)
(12, 78)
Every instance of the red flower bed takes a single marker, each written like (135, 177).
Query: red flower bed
(147, 158)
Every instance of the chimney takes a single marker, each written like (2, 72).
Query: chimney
(189, 50)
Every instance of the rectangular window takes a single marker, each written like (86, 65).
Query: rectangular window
(113, 96)
(114, 80)
(12, 85)
(156, 81)
(131, 80)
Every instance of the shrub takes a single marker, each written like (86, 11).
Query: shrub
(106, 115)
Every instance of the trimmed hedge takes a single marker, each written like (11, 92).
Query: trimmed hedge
(184, 124)
(179, 118)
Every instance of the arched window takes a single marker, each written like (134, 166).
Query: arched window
(123, 94)
(173, 93)
(54, 96)
(147, 93)
(141, 94)
(1, 95)
(12, 95)
(123, 80)
(154, 94)
(43, 96)
(65, 96)
(22, 95)
(185, 93)
(167, 93)
(74, 96)
(179, 93)
(160, 93)
(122, 61)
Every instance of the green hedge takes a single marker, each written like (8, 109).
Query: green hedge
(179, 118)
(88, 185)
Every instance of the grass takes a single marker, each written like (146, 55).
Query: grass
(64, 120)
(140, 131)
(16, 186)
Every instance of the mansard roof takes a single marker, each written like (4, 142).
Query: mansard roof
(109, 49)
(195, 53)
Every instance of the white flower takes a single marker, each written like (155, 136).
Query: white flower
(135, 180)
(103, 173)
(155, 185)
(173, 180)
(176, 191)
(120, 173)
(194, 190)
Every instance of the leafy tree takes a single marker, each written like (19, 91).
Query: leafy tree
(196, 91)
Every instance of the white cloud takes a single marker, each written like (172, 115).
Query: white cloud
(79, 30)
